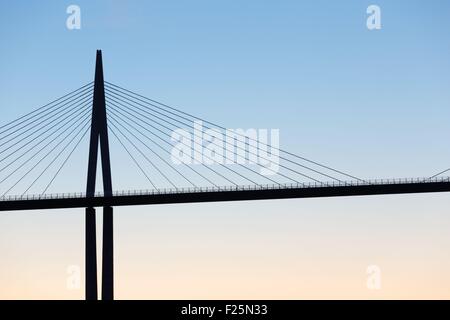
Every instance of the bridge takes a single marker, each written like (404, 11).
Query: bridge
(45, 139)
(217, 194)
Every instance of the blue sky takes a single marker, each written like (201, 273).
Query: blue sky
(372, 103)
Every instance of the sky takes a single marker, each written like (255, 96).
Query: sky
(373, 103)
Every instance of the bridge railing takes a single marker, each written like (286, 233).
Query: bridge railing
(122, 193)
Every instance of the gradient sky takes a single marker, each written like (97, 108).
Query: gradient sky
(372, 103)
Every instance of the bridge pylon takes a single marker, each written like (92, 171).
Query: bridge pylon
(99, 134)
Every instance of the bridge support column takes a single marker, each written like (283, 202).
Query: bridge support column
(108, 255)
(99, 135)
(91, 255)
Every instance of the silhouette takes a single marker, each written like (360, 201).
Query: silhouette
(104, 108)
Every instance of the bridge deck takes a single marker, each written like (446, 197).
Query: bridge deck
(268, 192)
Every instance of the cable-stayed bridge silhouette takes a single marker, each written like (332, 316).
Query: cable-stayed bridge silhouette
(37, 147)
